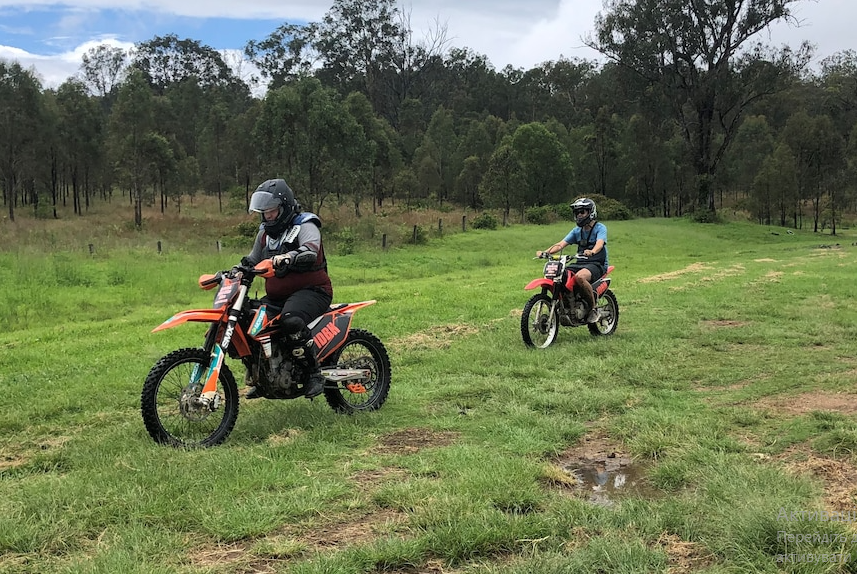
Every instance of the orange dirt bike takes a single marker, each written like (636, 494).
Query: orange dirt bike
(190, 397)
(561, 302)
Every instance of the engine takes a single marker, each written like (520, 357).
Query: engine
(275, 377)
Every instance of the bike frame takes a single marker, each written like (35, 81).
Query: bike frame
(329, 331)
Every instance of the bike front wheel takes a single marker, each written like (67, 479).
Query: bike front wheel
(173, 410)
(539, 327)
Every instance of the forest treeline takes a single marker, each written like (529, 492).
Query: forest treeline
(686, 113)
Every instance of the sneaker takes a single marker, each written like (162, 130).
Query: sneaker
(593, 315)
(252, 393)
(314, 385)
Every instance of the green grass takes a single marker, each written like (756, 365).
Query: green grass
(726, 335)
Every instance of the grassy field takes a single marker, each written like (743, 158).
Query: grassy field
(725, 401)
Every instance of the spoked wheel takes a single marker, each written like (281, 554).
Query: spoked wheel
(539, 327)
(364, 351)
(173, 410)
(609, 309)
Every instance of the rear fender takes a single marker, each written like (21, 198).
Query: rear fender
(330, 330)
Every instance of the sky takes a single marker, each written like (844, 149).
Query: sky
(52, 36)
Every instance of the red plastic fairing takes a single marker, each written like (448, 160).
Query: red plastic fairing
(536, 283)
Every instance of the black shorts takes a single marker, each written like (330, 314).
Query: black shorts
(307, 303)
(596, 269)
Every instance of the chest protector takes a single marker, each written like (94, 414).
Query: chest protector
(289, 241)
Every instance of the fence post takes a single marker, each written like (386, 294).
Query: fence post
(218, 246)
(504, 219)
(415, 234)
(463, 223)
(384, 242)
(159, 247)
(91, 249)
(440, 226)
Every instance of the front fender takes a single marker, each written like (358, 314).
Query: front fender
(192, 315)
(540, 283)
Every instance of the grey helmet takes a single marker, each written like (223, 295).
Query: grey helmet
(273, 194)
(581, 205)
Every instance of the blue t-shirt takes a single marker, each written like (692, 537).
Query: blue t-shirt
(586, 238)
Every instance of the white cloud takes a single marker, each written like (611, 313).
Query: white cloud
(56, 69)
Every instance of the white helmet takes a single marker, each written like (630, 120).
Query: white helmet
(581, 205)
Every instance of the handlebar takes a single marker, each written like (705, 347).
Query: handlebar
(555, 257)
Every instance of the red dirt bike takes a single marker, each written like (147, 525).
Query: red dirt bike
(190, 397)
(561, 302)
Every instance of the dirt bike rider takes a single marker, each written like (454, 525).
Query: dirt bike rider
(292, 239)
(590, 236)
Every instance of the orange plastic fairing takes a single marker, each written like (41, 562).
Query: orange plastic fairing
(208, 281)
(267, 268)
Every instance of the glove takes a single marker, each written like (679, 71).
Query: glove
(281, 264)
(281, 261)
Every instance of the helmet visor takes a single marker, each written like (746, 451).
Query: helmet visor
(262, 201)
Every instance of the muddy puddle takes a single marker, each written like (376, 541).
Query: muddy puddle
(603, 481)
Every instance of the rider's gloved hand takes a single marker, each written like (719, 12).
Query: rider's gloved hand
(281, 264)
(242, 267)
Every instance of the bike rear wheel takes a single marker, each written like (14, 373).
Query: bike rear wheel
(170, 405)
(361, 350)
(608, 308)
(539, 327)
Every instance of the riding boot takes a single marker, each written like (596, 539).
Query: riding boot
(252, 390)
(594, 314)
(304, 352)
(302, 346)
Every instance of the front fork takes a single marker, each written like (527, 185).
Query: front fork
(209, 397)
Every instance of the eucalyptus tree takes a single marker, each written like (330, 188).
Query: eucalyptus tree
(754, 142)
(838, 79)
(411, 127)
(467, 182)
(434, 160)
(193, 78)
(411, 66)
(245, 167)
(102, 68)
(774, 190)
(305, 134)
(168, 60)
(215, 148)
(474, 150)
(819, 155)
(21, 118)
(288, 53)
(602, 143)
(382, 154)
(503, 183)
(545, 165)
(356, 39)
(699, 54)
(643, 153)
(132, 123)
(565, 81)
(80, 130)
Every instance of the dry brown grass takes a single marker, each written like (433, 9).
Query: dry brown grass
(202, 222)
